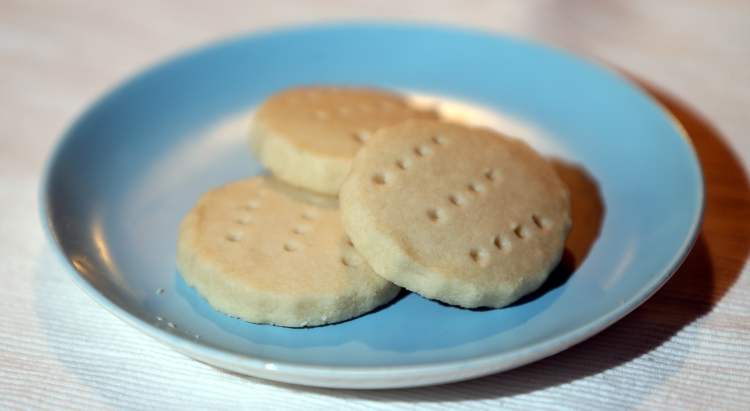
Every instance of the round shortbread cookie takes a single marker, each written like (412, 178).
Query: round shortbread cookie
(307, 136)
(457, 214)
(268, 253)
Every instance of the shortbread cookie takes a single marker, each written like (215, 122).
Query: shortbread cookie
(456, 214)
(268, 253)
(307, 136)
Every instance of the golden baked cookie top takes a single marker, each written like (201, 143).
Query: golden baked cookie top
(266, 252)
(460, 214)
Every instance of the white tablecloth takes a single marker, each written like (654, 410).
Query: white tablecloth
(686, 348)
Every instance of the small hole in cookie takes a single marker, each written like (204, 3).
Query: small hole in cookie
(439, 140)
(243, 220)
(349, 242)
(540, 222)
(309, 215)
(301, 229)
(501, 243)
(349, 261)
(479, 256)
(291, 246)
(521, 232)
(435, 215)
(233, 237)
(457, 200)
(361, 136)
(403, 163)
(492, 175)
(380, 179)
(422, 151)
(476, 188)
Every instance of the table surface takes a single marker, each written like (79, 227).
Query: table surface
(686, 348)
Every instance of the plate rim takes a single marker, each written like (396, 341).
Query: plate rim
(377, 376)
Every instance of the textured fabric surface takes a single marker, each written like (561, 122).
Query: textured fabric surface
(686, 348)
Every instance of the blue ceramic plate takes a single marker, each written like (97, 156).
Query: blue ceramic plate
(134, 163)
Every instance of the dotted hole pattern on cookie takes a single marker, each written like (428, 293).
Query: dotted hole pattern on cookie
(480, 256)
(348, 108)
(380, 179)
(439, 140)
(519, 231)
(233, 237)
(243, 220)
(422, 151)
(476, 188)
(301, 229)
(541, 223)
(350, 261)
(492, 175)
(457, 200)
(403, 163)
(252, 205)
(501, 243)
(361, 136)
(291, 246)
(349, 257)
(435, 215)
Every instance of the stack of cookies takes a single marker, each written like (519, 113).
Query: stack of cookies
(457, 214)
